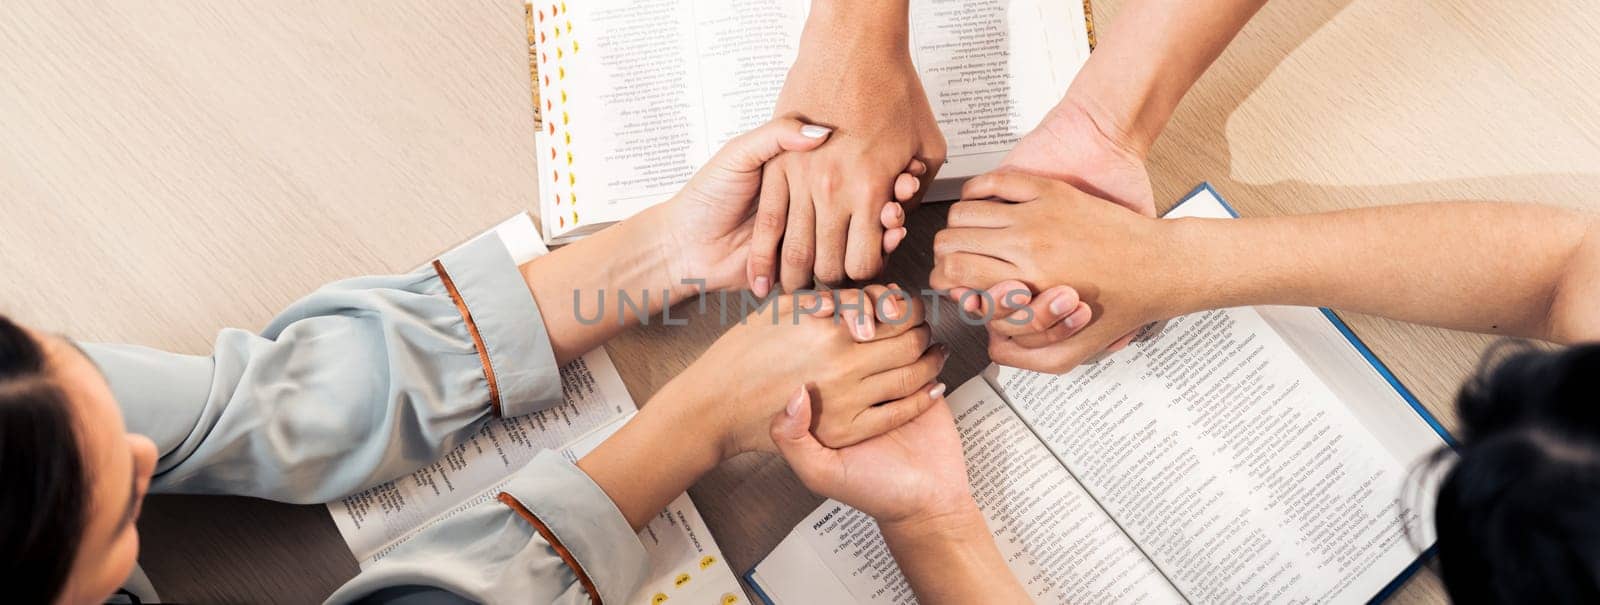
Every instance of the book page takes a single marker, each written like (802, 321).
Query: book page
(373, 521)
(637, 94)
(1056, 540)
(992, 70)
(1229, 462)
(640, 93)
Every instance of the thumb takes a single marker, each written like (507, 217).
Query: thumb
(749, 151)
(813, 462)
(1056, 358)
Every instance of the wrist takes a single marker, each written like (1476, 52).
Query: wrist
(1113, 124)
(952, 522)
(1191, 272)
(688, 407)
(705, 409)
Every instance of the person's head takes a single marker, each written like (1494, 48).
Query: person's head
(71, 477)
(1518, 515)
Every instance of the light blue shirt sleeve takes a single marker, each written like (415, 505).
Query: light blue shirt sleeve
(360, 382)
(553, 536)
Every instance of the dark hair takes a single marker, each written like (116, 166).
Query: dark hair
(1518, 515)
(43, 487)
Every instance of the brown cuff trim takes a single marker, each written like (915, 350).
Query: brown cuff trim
(477, 338)
(549, 536)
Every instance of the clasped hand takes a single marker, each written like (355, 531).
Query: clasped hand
(1101, 270)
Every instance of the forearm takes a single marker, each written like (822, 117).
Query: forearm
(1492, 268)
(657, 455)
(595, 288)
(953, 559)
(1146, 61)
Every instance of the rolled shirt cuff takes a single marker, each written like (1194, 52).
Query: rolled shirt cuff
(505, 324)
(582, 525)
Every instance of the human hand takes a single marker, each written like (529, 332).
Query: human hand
(915, 473)
(860, 350)
(1088, 152)
(1041, 233)
(1081, 146)
(833, 211)
(707, 225)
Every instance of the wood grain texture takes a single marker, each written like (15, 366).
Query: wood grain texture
(169, 169)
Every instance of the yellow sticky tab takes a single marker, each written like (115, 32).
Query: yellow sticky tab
(729, 598)
(679, 581)
(707, 561)
(660, 598)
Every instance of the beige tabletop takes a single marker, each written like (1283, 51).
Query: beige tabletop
(170, 168)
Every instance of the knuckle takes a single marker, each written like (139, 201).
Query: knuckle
(771, 221)
(797, 255)
(829, 274)
(906, 381)
(862, 194)
(958, 269)
(962, 212)
(941, 241)
(826, 180)
(864, 267)
(908, 349)
(896, 416)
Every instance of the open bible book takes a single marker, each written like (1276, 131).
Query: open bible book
(636, 94)
(684, 559)
(1244, 455)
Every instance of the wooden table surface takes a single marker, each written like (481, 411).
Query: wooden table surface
(171, 168)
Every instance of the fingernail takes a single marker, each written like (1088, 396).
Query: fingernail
(864, 328)
(937, 391)
(795, 400)
(893, 237)
(1059, 305)
(895, 307)
(971, 304)
(762, 286)
(812, 131)
(1077, 317)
